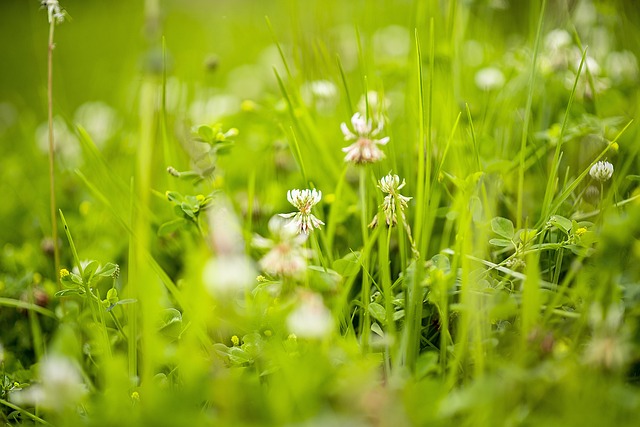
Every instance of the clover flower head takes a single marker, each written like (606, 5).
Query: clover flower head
(60, 387)
(365, 148)
(557, 39)
(393, 201)
(609, 348)
(303, 221)
(286, 256)
(601, 171)
(225, 275)
(311, 319)
(489, 79)
(390, 183)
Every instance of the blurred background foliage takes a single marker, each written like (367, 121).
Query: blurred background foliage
(220, 63)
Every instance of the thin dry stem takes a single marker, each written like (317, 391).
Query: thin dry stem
(54, 226)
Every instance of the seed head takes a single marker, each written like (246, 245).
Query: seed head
(54, 11)
(393, 201)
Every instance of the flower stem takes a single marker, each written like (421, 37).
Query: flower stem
(52, 194)
(365, 325)
(24, 412)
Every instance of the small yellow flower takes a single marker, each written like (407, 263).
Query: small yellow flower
(268, 333)
(614, 146)
(64, 273)
(580, 231)
(135, 396)
(200, 198)
(235, 340)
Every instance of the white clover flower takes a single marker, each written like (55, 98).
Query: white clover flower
(67, 147)
(557, 39)
(225, 229)
(589, 63)
(609, 346)
(393, 201)
(231, 270)
(622, 66)
(601, 171)
(60, 385)
(322, 94)
(227, 274)
(365, 148)
(320, 89)
(54, 11)
(304, 200)
(489, 78)
(287, 255)
(311, 319)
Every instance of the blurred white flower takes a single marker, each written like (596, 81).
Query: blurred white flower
(558, 52)
(378, 105)
(230, 270)
(287, 255)
(321, 89)
(601, 171)
(66, 144)
(304, 200)
(225, 228)
(609, 346)
(322, 94)
(228, 274)
(99, 120)
(311, 319)
(489, 78)
(60, 385)
(365, 148)
(557, 39)
(622, 66)
(211, 109)
(589, 64)
(590, 79)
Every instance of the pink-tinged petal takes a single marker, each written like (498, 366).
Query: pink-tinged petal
(348, 135)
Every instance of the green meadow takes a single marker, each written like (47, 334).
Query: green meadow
(320, 213)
